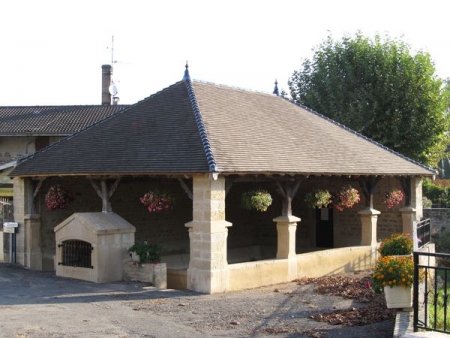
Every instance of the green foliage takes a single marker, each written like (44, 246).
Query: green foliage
(426, 202)
(148, 253)
(397, 244)
(439, 194)
(378, 88)
(256, 199)
(318, 198)
(442, 316)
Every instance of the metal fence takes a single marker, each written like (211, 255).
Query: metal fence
(431, 301)
(424, 232)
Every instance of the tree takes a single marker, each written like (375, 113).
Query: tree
(379, 89)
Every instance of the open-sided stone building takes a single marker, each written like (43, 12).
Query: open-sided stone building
(207, 144)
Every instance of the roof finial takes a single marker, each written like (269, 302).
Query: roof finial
(186, 76)
(275, 90)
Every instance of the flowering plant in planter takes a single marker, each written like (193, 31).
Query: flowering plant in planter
(318, 198)
(394, 271)
(58, 198)
(156, 200)
(258, 199)
(148, 253)
(393, 197)
(346, 197)
(397, 244)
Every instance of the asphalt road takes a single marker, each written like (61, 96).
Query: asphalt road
(38, 304)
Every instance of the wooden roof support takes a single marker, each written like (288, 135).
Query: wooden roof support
(185, 188)
(368, 187)
(102, 192)
(288, 192)
(406, 186)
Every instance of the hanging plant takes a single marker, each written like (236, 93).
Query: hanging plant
(157, 200)
(256, 199)
(346, 197)
(318, 198)
(393, 197)
(58, 198)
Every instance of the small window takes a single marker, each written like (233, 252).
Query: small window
(76, 253)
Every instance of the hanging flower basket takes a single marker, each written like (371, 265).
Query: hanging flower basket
(393, 197)
(318, 199)
(257, 199)
(58, 198)
(346, 197)
(156, 200)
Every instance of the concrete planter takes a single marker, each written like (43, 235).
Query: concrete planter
(398, 297)
(155, 274)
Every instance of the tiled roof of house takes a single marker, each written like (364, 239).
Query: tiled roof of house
(201, 127)
(52, 120)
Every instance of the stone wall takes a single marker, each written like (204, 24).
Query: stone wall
(166, 228)
(439, 218)
(155, 274)
(248, 228)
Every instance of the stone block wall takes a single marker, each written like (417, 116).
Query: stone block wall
(155, 274)
(168, 228)
(439, 218)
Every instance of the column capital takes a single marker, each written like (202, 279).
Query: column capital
(286, 219)
(407, 210)
(369, 212)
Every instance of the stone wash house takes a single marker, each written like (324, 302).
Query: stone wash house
(206, 144)
(26, 129)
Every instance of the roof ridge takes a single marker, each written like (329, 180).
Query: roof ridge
(232, 87)
(201, 126)
(362, 136)
(68, 105)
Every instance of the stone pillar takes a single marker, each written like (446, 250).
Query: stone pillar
(208, 266)
(286, 228)
(33, 241)
(416, 197)
(409, 219)
(369, 218)
(23, 205)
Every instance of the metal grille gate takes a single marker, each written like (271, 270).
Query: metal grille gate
(76, 253)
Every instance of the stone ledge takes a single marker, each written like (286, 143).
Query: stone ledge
(155, 274)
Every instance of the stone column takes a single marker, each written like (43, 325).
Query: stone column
(33, 242)
(369, 218)
(416, 197)
(23, 205)
(208, 266)
(409, 218)
(286, 228)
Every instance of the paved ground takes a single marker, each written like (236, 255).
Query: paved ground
(38, 304)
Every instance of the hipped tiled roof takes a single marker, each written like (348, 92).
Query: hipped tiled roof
(52, 120)
(195, 127)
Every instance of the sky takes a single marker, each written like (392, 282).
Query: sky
(52, 50)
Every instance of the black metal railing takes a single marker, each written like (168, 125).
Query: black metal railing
(424, 232)
(431, 295)
(76, 253)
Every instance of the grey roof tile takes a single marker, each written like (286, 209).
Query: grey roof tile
(52, 120)
(199, 127)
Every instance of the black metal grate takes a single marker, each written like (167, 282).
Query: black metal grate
(424, 232)
(76, 253)
(433, 293)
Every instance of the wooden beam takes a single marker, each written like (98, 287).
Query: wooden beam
(185, 188)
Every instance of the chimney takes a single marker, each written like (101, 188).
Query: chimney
(106, 82)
